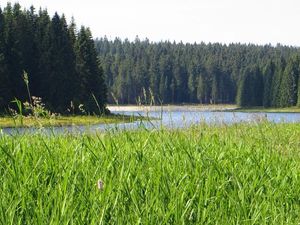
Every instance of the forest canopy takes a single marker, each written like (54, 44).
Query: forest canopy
(68, 69)
(249, 75)
(61, 62)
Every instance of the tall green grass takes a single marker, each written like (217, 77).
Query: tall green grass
(237, 174)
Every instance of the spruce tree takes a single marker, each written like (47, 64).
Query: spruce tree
(298, 102)
(41, 79)
(93, 88)
(154, 79)
(258, 87)
(201, 96)
(268, 74)
(62, 65)
(251, 88)
(5, 88)
(289, 83)
(243, 93)
(215, 88)
(192, 86)
(179, 64)
(45, 49)
(276, 82)
(13, 51)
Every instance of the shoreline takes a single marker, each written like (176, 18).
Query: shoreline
(27, 122)
(201, 108)
(136, 108)
(117, 117)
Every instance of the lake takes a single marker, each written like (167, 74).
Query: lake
(171, 117)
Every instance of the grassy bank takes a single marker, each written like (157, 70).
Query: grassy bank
(238, 174)
(31, 121)
(269, 110)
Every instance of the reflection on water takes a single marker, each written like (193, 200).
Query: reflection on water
(170, 119)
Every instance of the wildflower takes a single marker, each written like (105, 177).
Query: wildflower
(81, 108)
(100, 185)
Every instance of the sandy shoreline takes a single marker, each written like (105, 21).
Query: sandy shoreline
(134, 108)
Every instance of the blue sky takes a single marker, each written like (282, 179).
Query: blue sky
(225, 21)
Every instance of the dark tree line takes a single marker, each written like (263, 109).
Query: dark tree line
(61, 62)
(64, 69)
(249, 75)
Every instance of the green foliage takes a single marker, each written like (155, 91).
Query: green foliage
(251, 88)
(201, 93)
(289, 83)
(268, 73)
(66, 65)
(4, 80)
(47, 49)
(239, 174)
(298, 104)
(89, 75)
(195, 73)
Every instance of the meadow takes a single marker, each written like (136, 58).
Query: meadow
(236, 174)
(59, 121)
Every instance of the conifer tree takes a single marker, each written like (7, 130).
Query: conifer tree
(178, 66)
(201, 93)
(276, 82)
(192, 86)
(5, 87)
(41, 79)
(45, 49)
(298, 102)
(251, 88)
(93, 88)
(62, 62)
(268, 74)
(289, 83)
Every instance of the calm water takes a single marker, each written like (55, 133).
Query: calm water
(172, 119)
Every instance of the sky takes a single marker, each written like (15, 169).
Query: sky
(225, 21)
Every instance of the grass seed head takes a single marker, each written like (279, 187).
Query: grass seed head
(100, 185)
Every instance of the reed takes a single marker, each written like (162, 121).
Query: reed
(237, 174)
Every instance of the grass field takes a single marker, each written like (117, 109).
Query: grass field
(237, 174)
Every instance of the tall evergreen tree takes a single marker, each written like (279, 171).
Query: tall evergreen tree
(62, 62)
(46, 50)
(201, 93)
(251, 88)
(63, 67)
(268, 74)
(215, 88)
(41, 80)
(298, 101)
(178, 65)
(5, 87)
(93, 89)
(14, 21)
(276, 82)
(192, 87)
(289, 83)
(154, 79)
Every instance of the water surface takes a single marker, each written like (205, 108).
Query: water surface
(179, 117)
